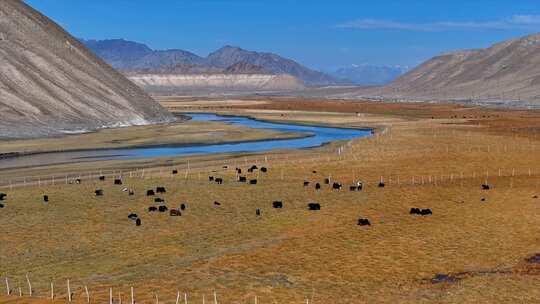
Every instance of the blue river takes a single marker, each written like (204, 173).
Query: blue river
(316, 136)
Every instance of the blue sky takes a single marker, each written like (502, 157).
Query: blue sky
(321, 34)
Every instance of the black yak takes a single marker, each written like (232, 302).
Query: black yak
(306, 183)
(277, 204)
(45, 198)
(182, 206)
(253, 182)
(162, 208)
(99, 192)
(426, 212)
(485, 187)
(317, 186)
(132, 216)
(258, 212)
(210, 178)
(363, 222)
(238, 170)
(161, 190)
(217, 203)
(3, 196)
(219, 180)
(314, 206)
(327, 181)
(174, 172)
(415, 211)
(152, 209)
(336, 186)
(159, 200)
(138, 222)
(150, 192)
(2, 206)
(102, 178)
(117, 181)
(264, 169)
(381, 185)
(242, 179)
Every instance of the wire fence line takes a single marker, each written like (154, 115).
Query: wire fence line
(74, 291)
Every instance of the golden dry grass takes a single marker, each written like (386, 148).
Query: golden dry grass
(292, 254)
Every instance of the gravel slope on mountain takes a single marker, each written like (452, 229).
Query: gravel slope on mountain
(51, 84)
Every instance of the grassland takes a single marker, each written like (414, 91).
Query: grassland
(430, 156)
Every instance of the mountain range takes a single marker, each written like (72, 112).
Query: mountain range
(506, 71)
(129, 56)
(50, 83)
(369, 75)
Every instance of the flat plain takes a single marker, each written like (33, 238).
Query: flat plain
(477, 246)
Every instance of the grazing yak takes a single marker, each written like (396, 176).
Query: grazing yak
(306, 183)
(415, 211)
(78, 181)
(174, 172)
(327, 181)
(242, 179)
(381, 185)
(258, 212)
(102, 178)
(159, 200)
(363, 222)
(117, 181)
(336, 186)
(219, 180)
(418, 211)
(132, 216)
(161, 190)
(355, 188)
(3, 196)
(314, 206)
(175, 212)
(45, 198)
(210, 178)
(150, 192)
(217, 203)
(277, 204)
(138, 222)
(254, 167)
(238, 170)
(426, 212)
(98, 192)
(264, 169)
(131, 192)
(317, 186)
(182, 207)
(2, 206)
(485, 187)
(162, 208)
(152, 209)
(252, 181)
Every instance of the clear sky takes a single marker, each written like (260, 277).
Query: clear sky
(321, 34)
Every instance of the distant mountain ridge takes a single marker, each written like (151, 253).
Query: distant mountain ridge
(129, 55)
(506, 71)
(369, 75)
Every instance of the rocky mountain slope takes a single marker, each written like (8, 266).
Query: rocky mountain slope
(505, 72)
(51, 84)
(127, 55)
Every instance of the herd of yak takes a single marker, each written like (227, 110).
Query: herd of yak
(243, 179)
